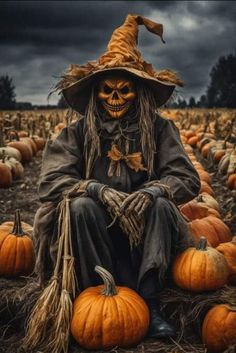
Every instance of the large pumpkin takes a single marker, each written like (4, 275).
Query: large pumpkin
(24, 149)
(107, 316)
(16, 167)
(229, 251)
(16, 250)
(205, 187)
(203, 175)
(219, 328)
(215, 230)
(231, 181)
(197, 210)
(200, 268)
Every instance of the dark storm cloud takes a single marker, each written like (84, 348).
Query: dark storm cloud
(39, 39)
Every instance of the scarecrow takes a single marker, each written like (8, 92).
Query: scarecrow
(125, 169)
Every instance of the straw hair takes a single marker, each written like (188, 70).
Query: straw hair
(146, 113)
(146, 108)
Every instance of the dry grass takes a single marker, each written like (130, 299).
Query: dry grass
(183, 309)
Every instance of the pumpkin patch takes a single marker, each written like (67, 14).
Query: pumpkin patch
(199, 277)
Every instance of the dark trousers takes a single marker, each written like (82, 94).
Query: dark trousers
(95, 243)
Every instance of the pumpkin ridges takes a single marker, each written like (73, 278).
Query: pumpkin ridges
(216, 273)
(183, 268)
(6, 176)
(219, 326)
(20, 257)
(207, 262)
(15, 236)
(198, 225)
(188, 268)
(103, 318)
(140, 313)
(126, 320)
(201, 265)
(98, 311)
(29, 257)
(3, 236)
(76, 328)
(139, 316)
(224, 229)
(229, 251)
(134, 304)
(7, 254)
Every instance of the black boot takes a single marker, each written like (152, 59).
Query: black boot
(158, 328)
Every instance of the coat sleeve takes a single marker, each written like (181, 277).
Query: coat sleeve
(172, 164)
(62, 164)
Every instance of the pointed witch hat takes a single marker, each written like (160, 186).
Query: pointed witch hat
(122, 56)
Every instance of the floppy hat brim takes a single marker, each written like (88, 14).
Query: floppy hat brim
(77, 95)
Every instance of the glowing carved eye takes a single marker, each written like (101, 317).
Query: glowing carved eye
(125, 90)
(107, 89)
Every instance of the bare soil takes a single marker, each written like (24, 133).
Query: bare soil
(22, 194)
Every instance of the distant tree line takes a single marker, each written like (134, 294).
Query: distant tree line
(221, 91)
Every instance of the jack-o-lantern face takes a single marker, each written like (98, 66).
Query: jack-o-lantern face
(116, 94)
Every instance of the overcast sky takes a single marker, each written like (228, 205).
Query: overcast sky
(39, 39)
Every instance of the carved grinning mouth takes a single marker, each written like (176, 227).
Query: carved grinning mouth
(116, 108)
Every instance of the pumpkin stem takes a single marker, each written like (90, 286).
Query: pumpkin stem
(3, 156)
(199, 198)
(202, 245)
(13, 134)
(109, 289)
(17, 228)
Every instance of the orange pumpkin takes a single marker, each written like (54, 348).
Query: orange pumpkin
(197, 210)
(30, 142)
(16, 250)
(23, 148)
(5, 174)
(219, 328)
(192, 141)
(23, 133)
(231, 182)
(113, 316)
(205, 149)
(204, 176)
(205, 187)
(190, 133)
(229, 251)
(215, 230)
(200, 269)
(39, 141)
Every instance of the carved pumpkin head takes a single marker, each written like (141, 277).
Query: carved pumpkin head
(116, 94)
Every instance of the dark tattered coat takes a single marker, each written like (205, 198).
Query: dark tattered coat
(64, 165)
